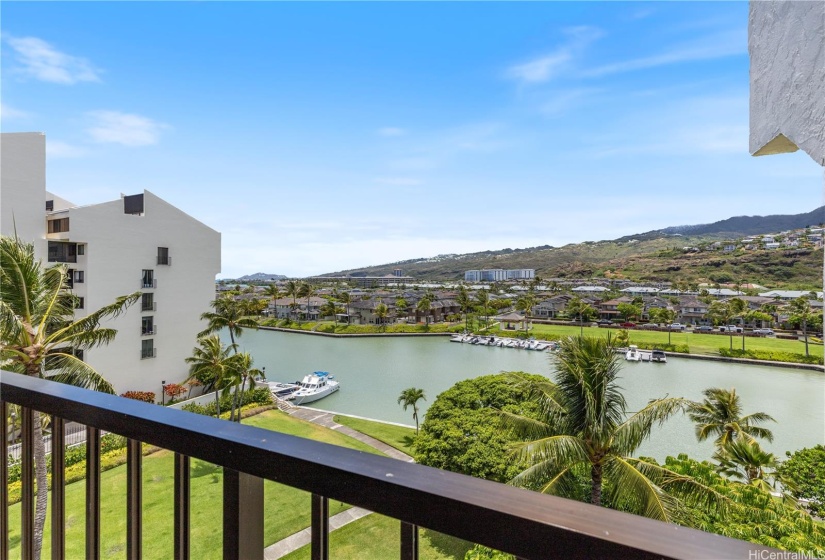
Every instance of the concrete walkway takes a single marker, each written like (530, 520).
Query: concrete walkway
(323, 418)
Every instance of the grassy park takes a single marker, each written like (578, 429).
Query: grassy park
(287, 510)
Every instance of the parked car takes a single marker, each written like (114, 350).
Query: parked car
(628, 325)
(650, 326)
(764, 332)
(604, 322)
(730, 329)
(703, 328)
(676, 326)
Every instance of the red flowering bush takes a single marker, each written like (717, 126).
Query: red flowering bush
(145, 396)
(174, 390)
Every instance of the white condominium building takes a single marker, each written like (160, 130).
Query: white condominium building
(135, 243)
(499, 275)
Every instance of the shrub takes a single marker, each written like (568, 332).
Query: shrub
(145, 396)
(773, 355)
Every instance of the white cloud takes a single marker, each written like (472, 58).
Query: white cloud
(391, 131)
(561, 102)
(721, 45)
(550, 65)
(59, 149)
(540, 69)
(8, 112)
(40, 60)
(398, 181)
(124, 128)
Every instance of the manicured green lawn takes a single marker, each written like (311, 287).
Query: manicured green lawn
(287, 510)
(698, 343)
(376, 537)
(396, 436)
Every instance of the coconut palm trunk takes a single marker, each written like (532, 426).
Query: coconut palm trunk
(596, 484)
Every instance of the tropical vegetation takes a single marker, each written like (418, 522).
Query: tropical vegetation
(40, 337)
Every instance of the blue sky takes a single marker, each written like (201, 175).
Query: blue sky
(322, 136)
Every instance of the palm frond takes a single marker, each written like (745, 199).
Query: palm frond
(633, 431)
(73, 371)
(635, 492)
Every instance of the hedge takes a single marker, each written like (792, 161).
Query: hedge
(774, 355)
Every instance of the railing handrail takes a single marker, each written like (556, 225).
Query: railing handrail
(518, 521)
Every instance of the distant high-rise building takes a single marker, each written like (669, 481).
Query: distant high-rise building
(499, 275)
(134, 243)
(397, 272)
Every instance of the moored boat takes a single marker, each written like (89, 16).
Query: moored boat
(633, 354)
(658, 356)
(313, 387)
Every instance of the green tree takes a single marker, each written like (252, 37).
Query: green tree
(464, 300)
(381, 311)
(802, 314)
(805, 469)
(461, 431)
(291, 290)
(720, 414)
(402, 307)
(723, 312)
(211, 364)
(483, 305)
(576, 307)
(584, 427)
(273, 291)
(346, 299)
(228, 314)
(750, 316)
(330, 309)
(744, 460)
(307, 290)
(39, 337)
(424, 306)
(526, 303)
(629, 311)
(410, 397)
(242, 373)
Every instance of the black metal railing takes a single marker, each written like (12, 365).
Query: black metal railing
(147, 353)
(147, 284)
(527, 524)
(164, 260)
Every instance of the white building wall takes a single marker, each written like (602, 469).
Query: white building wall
(119, 247)
(23, 187)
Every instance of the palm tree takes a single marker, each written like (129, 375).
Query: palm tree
(801, 313)
(425, 305)
(483, 301)
(745, 460)
(463, 300)
(578, 308)
(346, 299)
(330, 309)
(410, 397)
(381, 311)
(726, 311)
(526, 303)
(719, 414)
(228, 315)
(583, 430)
(753, 315)
(291, 289)
(307, 290)
(402, 307)
(273, 291)
(211, 364)
(241, 368)
(39, 337)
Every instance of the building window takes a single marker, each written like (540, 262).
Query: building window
(133, 204)
(147, 349)
(163, 256)
(62, 252)
(79, 276)
(148, 279)
(147, 302)
(147, 325)
(58, 226)
(81, 249)
(49, 205)
(70, 278)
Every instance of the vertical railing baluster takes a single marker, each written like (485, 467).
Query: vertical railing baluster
(134, 500)
(320, 527)
(27, 483)
(409, 541)
(92, 493)
(181, 507)
(243, 516)
(4, 483)
(58, 505)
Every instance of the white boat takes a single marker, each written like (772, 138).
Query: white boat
(658, 356)
(313, 387)
(633, 354)
(282, 390)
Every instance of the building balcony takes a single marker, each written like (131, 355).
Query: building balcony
(148, 353)
(164, 260)
(148, 284)
(527, 524)
(149, 331)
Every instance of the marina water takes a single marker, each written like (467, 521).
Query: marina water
(374, 370)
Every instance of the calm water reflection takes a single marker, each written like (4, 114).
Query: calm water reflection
(373, 371)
